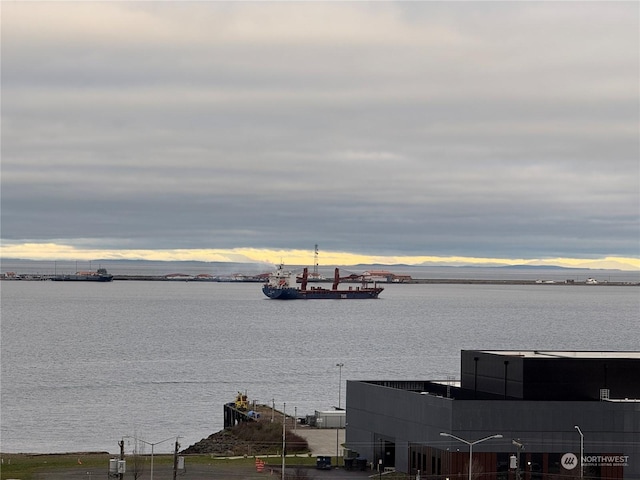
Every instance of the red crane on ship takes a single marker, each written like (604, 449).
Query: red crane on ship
(336, 279)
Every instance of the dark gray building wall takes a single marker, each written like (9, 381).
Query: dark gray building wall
(581, 378)
(487, 373)
(545, 376)
(377, 412)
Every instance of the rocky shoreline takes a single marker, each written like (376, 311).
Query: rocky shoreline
(259, 436)
(229, 443)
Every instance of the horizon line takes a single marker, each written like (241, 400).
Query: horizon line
(62, 252)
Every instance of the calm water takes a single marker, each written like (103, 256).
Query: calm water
(86, 364)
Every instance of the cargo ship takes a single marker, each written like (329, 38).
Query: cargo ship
(100, 275)
(279, 287)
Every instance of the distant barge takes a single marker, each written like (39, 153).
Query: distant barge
(100, 275)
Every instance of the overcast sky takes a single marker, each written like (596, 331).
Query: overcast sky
(484, 129)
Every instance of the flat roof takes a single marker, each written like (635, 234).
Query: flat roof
(563, 354)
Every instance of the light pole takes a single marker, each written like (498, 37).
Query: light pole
(581, 449)
(152, 445)
(339, 365)
(471, 444)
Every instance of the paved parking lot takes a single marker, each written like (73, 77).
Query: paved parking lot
(322, 441)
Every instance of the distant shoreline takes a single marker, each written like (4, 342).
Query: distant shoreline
(413, 281)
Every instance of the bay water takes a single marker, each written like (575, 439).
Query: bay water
(85, 364)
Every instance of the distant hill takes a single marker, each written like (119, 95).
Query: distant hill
(423, 271)
(539, 267)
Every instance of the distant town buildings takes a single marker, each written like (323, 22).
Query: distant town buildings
(384, 276)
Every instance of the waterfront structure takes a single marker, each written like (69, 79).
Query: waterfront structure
(100, 275)
(560, 415)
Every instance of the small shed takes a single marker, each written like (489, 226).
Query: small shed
(328, 419)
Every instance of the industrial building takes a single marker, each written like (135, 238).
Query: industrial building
(517, 414)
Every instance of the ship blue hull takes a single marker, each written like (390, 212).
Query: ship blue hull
(320, 293)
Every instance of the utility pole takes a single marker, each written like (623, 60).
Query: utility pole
(121, 443)
(284, 436)
(175, 459)
(339, 365)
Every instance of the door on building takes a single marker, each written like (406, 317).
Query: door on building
(389, 454)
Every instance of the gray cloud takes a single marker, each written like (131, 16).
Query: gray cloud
(500, 129)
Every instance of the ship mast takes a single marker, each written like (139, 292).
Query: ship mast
(315, 263)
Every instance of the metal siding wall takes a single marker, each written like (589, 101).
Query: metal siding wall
(549, 427)
(543, 377)
(490, 375)
(358, 433)
(415, 418)
(372, 412)
(575, 378)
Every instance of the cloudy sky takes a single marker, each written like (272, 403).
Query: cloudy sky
(396, 131)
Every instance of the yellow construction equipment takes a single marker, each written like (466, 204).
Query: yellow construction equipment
(242, 402)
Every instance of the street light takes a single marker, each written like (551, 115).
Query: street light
(471, 444)
(152, 445)
(581, 449)
(339, 365)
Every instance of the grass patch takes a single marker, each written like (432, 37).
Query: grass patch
(25, 466)
(249, 460)
(29, 466)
